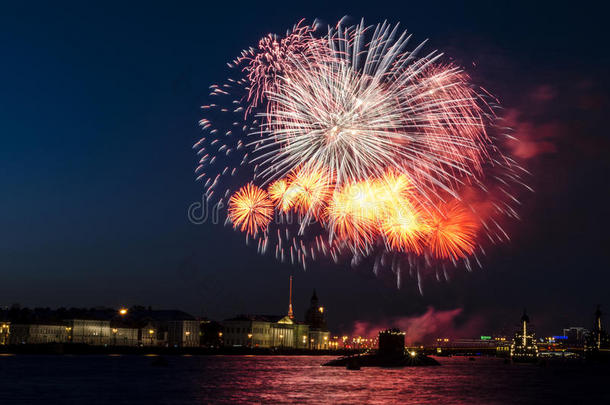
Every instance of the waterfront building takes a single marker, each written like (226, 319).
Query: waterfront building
(301, 335)
(183, 333)
(263, 331)
(151, 334)
(599, 340)
(92, 332)
(574, 336)
(5, 331)
(319, 336)
(123, 333)
(38, 333)
(210, 333)
(272, 331)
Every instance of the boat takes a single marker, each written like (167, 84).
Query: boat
(391, 353)
(523, 348)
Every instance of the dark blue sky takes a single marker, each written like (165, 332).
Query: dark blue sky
(98, 111)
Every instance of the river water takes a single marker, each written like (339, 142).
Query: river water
(291, 379)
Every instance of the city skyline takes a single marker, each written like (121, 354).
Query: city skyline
(98, 173)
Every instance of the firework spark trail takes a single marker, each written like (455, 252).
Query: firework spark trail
(373, 148)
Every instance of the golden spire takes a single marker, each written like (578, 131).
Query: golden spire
(290, 313)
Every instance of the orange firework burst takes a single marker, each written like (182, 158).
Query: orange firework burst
(403, 228)
(250, 209)
(452, 231)
(352, 214)
(310, 190)
(278, 192)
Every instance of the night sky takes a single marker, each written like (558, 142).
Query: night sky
(98, 112)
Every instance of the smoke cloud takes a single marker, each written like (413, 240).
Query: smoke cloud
(423, 328)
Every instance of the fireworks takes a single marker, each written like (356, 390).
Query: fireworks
(373, 148)
(250, 209)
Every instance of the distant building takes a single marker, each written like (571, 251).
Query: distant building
(263, 331)
(319, 336)
(301, 335)
(5, 330)
(38, 333)
(183, 333)
(314, 317)
(92, 332)
(272, 331)
(210, 333)
(575, 335)
(152, 334)
(124, 333)
(599, 340)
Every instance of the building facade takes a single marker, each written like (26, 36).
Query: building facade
(319, 336)
(265, 331)
(122, 336)
(89, 331)
(184, 333)
(37, 333)
(5, 331)
(269, 331)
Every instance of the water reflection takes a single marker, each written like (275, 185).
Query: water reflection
(285, 379)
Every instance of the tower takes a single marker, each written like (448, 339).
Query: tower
(598, 327)
(290, 313)
(524, 320)
(314, 316)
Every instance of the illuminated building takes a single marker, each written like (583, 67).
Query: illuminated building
(272, 331)
(599, 341)
(574, 336)
(263, 331)
(38, 333)
(92, 332)
(319, 336)
(183, 333)
(314, 316)
(123, 333)
(301, 335)
(523, 347)
(5, 331)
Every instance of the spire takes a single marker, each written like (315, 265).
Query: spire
(314, 297)
(525, 318)
(598, 315)
(290, 313)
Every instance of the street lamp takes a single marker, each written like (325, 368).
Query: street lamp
(123, 311)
